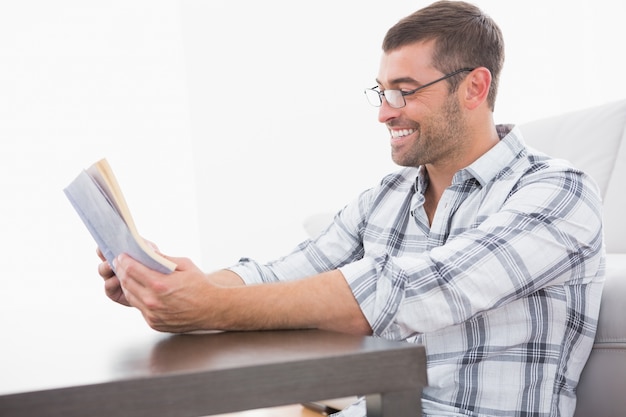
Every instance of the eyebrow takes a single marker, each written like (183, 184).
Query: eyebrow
(402, 80)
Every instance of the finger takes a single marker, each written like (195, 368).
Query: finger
(152, 245)
(135, 279)
(113, 290)
(105, 270)
(100, 255)
(128, 268)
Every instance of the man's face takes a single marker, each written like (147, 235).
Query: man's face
(429, 129)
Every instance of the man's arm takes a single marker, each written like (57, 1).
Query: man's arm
(188, 300)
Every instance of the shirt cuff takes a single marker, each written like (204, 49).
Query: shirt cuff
(248, 270)
(378, 290)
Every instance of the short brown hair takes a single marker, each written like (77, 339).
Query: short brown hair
(464, 37)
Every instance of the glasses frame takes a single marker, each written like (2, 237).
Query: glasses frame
(403, 94)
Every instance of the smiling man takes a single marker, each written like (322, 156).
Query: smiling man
(485, 251)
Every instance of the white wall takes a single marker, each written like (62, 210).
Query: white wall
(281, 128)
(261, 99)
(82, 80)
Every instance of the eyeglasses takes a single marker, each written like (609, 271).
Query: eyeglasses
(395, 98)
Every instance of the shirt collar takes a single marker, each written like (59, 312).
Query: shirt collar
(490, 164)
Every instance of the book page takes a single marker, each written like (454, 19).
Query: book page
(103, 175)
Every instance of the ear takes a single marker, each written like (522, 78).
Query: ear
(476, 87)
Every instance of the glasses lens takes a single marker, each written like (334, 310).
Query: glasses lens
(373, 97)
(394, 98)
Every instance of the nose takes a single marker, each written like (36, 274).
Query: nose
(386, 112)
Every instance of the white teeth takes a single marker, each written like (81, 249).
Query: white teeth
(400, 133)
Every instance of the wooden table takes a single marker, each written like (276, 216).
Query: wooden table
(155, 374)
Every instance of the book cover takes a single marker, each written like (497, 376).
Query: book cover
(97, 198)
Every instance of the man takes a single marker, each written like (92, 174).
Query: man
(488, 253)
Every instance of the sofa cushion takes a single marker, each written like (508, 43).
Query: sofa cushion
(594, 140)
(612, 322)
(600, 391)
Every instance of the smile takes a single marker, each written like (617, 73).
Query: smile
(401, 132)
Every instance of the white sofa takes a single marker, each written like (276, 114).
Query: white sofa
(594, 140)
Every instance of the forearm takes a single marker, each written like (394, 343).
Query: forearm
(323, 301)
(189, 300)
(225, 278)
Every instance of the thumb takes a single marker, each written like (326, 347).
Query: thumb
(182, 264)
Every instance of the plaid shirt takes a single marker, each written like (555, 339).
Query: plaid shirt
(503, 288)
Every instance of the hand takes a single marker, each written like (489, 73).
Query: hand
(175, 302)
(188, 300)
(112, 286)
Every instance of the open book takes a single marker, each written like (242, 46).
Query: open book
(98, 200)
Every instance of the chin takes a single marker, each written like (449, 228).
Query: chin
(403, 160)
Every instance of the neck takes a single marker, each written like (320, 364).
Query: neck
(440, 174)
(480, 138)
